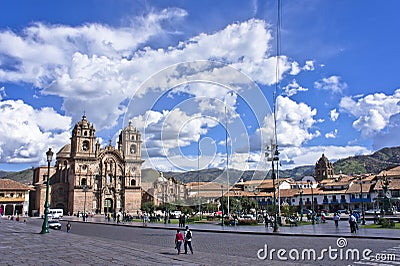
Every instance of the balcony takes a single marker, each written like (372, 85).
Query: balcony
(358, 200)
(11, 199)
(335, 201)
(343, 201)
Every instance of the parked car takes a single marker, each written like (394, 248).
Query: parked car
(343, 211)
(53, 224)
(248, 216)
(175, 214)
(372, 211)
(307, 211)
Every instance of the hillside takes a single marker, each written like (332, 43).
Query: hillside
(24, 177)
(374, 163)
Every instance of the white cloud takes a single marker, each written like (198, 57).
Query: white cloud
(33, 132)
(334, 115)
(2, 93)
(294, 121)
(96, 64)
(293, 88)
(333, 84)
(373, 112)
(332, 134)
(309, 66)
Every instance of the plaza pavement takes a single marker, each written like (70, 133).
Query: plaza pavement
(21, 244)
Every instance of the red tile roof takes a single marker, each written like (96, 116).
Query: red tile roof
(8, 184)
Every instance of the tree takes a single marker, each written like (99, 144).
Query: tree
(148, 207)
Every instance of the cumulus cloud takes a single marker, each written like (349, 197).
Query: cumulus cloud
(293, 88)
(33, 132)
(97, 65)
(294, 121)
(332, 134)
(309, 65)
(333, 84)
(334, 115)
(372, 112)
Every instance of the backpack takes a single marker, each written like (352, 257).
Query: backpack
(188, 235)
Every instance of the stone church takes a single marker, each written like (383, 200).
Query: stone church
(323, 169)
(89, 178)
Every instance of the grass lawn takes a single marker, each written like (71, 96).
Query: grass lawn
(378, 226)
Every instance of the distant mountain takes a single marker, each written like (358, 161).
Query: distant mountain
(24, 177)
(374, 163)
(3, 174)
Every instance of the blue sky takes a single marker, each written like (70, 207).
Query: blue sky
(185, 72)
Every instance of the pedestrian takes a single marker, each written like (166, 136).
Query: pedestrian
(336, 219)
(68, 227)
(188, 240)
(145, 219)
(357, 216)
(180, 221)
(183, 220)
(352, 222)
(178, 240)
(266, 220)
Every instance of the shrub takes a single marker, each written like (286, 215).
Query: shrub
(386, 223)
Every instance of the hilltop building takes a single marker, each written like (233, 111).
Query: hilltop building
(89, 178)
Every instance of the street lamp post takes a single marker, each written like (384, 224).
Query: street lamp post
(362, 203)
(301, 205)
(312, 202)
(222, 203)
(45, 225)
(274, 157)
(85, 189)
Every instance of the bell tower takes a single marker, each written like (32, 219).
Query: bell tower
(323, 169)
(83, 139)
(129, 144)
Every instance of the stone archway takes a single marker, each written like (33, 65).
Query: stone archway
(108, 205)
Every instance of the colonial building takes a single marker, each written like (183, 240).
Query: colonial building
(165, 190)
(14, 197)
(89, 178)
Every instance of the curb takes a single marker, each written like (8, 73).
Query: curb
(243, 232)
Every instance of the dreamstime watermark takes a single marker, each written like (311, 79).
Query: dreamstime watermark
(340, 252)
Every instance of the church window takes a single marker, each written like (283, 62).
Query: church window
(108, 179)
(133, 148)
(85, 145)
(133, 182)
(85, 133)
(84, 167)
(83, 182)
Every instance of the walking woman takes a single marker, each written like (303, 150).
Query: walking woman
(178, 240)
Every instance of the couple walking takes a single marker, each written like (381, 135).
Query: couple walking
(185, 238)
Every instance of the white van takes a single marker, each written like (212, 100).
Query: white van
(56, 213)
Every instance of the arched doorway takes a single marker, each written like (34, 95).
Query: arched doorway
(108, 205)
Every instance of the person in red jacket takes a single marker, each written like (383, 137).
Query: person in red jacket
(179, 240)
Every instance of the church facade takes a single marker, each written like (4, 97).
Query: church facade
(89, 178)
